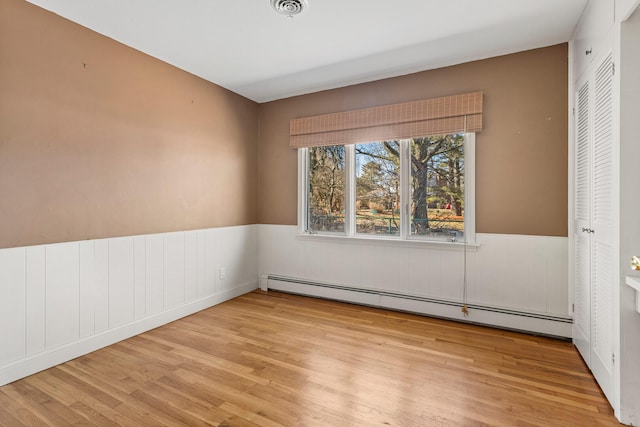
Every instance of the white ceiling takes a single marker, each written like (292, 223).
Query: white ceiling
(245, 46)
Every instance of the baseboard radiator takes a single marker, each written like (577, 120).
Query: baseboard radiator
(505, 318)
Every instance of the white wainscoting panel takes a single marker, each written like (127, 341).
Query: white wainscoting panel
(62, 288)
(121, 282)
(523, 274)
(60, 301)
(235, 240)
(201, 264)
(190, 265)
(87, 307)
(154, 274)
(174, 273)
(101, 285)
(12, 305)
(212, 251)
(140, 276)
(35, 294)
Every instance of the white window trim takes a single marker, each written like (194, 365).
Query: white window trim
(405, 191)
(405, 238)
(303, 188)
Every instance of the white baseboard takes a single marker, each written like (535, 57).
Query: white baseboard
(529, 322)
(49, 358)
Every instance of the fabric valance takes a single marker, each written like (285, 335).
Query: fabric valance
(436, 116)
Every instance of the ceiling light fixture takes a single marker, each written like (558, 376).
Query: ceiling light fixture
(289, 7)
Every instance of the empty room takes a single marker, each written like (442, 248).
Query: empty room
(319, 212)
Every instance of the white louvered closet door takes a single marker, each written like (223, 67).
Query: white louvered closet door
(582, 221)
(603, 237)
(594, 241)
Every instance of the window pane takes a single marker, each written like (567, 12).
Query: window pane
(437, 186)
(378, 188)
(326, 189)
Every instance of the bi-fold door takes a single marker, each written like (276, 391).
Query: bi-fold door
(594, 239)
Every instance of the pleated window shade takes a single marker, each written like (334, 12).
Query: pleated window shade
(437, 116)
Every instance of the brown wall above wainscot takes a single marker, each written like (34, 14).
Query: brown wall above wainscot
(100, 140)
(522, 153)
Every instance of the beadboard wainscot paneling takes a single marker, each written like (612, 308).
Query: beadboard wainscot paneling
(515, 281)
(35, 294)
(12, 305)
(62, 294)
(60, 301)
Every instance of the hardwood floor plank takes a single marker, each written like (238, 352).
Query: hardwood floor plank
(238, 397)
(7, 419)
(273, 359)
(37, 402)
(75, 384)
(132, 411)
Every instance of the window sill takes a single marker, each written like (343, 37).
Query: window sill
(386, 241)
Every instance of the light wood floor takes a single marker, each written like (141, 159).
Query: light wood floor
(272, 359)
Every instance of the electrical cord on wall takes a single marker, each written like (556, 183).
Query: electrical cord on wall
(464, 309)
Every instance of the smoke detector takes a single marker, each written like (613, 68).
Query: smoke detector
(289, 7)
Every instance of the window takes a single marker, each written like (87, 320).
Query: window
(437, 186)
(378, 188)
(418, 188)
(325, 195)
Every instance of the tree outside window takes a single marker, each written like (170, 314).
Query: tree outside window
(326, 198)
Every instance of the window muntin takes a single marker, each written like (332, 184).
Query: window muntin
(378, 188)
(448, 193)
(326, 189)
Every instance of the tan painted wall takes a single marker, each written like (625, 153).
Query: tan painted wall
(99, 140)
(521, 178)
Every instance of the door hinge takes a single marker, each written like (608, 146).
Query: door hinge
(573, 308)
(613, 358)
(613, 68)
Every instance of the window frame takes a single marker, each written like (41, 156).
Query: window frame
(405, 197)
